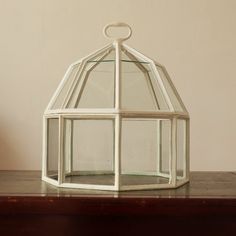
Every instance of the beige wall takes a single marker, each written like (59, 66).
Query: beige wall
(194, 39)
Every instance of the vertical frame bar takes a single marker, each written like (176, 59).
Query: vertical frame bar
(184, 149)
(117, 76)
(45, 147)
(71, 146)
(118, 116)
(159, 147)
(187, 148)
(114, 151)
(173, 152)
(61, 170)
(117, 152)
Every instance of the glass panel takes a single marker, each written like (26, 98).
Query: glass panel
(137, 92)
(96, 89)
(62, 95)
(139, 152)
(160, 100)
(89, 151)
(52, 148)
(68, 144)
(167, 83)
(181, 147)
(139, 145)
(165, 146)
(154, 87)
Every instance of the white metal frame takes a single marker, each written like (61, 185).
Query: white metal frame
(116, 114)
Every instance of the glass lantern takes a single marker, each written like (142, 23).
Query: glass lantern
(116, 122)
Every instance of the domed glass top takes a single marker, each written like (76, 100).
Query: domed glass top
(116, 77)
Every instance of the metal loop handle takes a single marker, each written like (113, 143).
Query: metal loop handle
(117, 24)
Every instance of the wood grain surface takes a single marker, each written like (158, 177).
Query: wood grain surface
(205, 206)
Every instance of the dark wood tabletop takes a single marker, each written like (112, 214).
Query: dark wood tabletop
(205, 206)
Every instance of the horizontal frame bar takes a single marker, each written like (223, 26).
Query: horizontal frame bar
(147, 186)
(112, 112)
(88, 186)
(95, 172)
(50, 181)
(113, 188)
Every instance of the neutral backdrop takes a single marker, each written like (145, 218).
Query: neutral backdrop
(194, 39)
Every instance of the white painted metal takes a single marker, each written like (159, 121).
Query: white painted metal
(148, 79)
(187, 148)
(173, 166)
(89, 186)
(139, 55)
(146, 186)
(117, 147)
(115, 111)
(117, 114)
(61, 169)
(159, 147)
(50, 180)
(70, 147)
(76, 80)
(97, 172)
(73, 84)
(57, 92)
(174, 89)
(44, 158)
(181, 182)
(85, 78)
(118, 117)
(117, 24)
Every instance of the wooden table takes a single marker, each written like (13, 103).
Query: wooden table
(206, 206)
